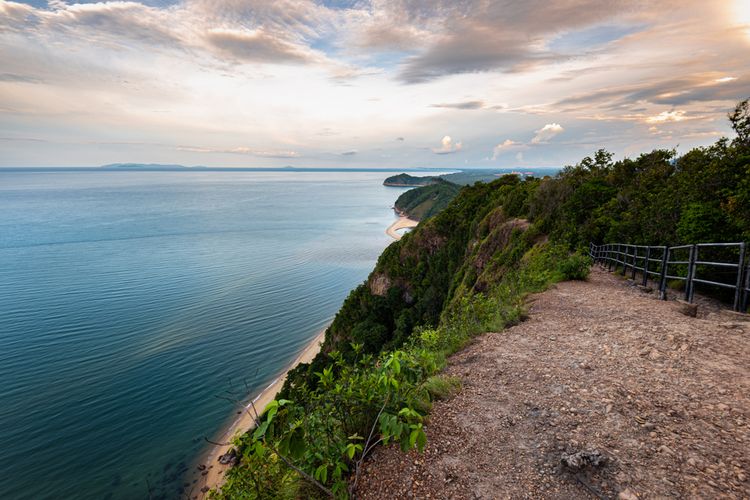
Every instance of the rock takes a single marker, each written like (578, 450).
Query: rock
(229, 458)
(685, 308)
(201, 467)
(205, 489)
(379, 284)
(583, 460)
(627, 494)
(665, 449)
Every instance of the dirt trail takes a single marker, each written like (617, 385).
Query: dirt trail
(599, 365)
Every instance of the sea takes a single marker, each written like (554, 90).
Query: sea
(134, 304)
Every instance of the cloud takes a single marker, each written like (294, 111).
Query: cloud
(460, 105)
(504, 146)
(547, 132)
(506, 35)
(447, 146)
(349, 153)
(258, 46)
(667, 116)
(241, 151)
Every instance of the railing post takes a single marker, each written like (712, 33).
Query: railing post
(646, 262)
(691, 274)
(635, 262)
(746, 291)
(663, 276)
(738, 292)
(609, 267)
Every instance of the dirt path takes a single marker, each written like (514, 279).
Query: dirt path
(599, 365)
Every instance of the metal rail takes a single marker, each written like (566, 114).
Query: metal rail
(663, 263)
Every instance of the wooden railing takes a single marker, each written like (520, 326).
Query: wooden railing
(686, 263)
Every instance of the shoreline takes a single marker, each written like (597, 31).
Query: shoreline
(400, 223)
(212, 472)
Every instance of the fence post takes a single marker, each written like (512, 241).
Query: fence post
(635, 262)
(663, 277)
(740, 268)
(691, 274)
(646, 262)
(746, 290)
(609, 267)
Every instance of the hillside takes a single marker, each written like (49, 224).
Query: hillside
(463, 272)
(426, 201)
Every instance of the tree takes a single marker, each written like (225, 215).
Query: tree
(740, 119)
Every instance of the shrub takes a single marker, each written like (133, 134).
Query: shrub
(576, 267)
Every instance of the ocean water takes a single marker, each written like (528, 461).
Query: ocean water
(130, 300)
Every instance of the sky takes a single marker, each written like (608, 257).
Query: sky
(357, 83)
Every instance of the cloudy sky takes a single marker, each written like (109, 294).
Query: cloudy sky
(378, 83)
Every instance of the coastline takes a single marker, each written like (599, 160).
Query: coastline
(400, 223)
(212, 473)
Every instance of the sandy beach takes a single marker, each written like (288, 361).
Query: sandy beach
(401, 223)
(215, 471)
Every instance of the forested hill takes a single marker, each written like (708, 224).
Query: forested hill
(403, 180)
(465, 271)
(426, 201)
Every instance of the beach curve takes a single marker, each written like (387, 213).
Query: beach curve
(401, 223)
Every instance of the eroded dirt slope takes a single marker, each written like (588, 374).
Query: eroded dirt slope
(599, 365)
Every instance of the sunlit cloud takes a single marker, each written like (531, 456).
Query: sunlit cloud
(447, 146)
(667, 116)
(506, 145)
(547, 132)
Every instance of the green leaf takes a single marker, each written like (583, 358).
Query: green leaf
(421, 440)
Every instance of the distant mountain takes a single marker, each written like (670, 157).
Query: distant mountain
(147, 166)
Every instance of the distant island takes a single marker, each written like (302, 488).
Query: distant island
(406, 180)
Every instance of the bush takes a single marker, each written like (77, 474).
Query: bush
(576, 267)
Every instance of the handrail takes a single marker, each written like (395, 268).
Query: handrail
(634, 258)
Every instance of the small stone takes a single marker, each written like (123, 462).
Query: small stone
(665, 449)
(722, 407)
(627, 494)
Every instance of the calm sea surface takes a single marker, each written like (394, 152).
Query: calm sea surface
(130, 300)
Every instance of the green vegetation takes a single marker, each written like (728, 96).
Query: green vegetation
(462, 272)
(423, 202)
(410, 180)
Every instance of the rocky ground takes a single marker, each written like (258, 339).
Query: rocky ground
(598, 366)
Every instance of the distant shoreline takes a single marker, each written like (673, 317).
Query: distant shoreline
(244, 422)
(401, 223)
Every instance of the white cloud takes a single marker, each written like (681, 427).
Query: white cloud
(506, 145)
(547, 132)
(447, 146)
(667, 116)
